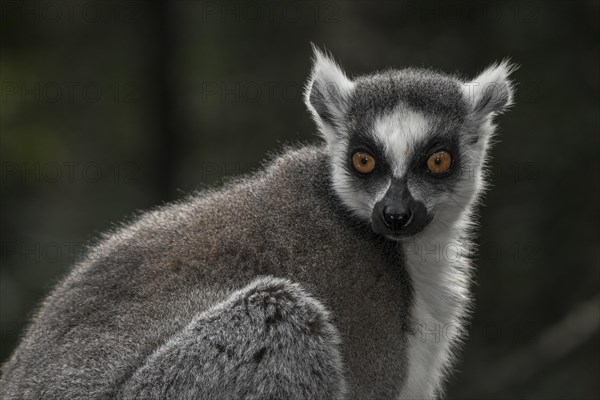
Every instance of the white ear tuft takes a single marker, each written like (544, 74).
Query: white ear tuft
(327, 92)
(492, 91)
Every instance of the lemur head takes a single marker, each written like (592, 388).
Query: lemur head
(407, 147)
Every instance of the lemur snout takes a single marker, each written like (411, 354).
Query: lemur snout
(398, 213)
(395, 218)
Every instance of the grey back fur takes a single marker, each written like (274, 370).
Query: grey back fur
(147, 281)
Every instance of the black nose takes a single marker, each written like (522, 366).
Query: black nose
(396, 219)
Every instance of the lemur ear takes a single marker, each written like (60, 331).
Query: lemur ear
(327, 92)
(492, 91)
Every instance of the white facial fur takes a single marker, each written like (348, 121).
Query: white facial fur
(400, 131)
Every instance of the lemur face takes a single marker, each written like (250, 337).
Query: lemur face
(406, 147)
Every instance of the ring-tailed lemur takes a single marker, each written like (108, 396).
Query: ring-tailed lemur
(338, 271)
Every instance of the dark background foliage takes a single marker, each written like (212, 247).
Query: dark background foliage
(111, 107)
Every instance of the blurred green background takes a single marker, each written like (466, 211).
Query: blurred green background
(112, 107)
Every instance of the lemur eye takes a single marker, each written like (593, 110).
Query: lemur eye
(439, 162)
(363, 162)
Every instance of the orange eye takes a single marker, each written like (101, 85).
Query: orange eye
(439, 162)
(363, 162)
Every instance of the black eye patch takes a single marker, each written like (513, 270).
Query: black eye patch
(365, 142)
(418, 160)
